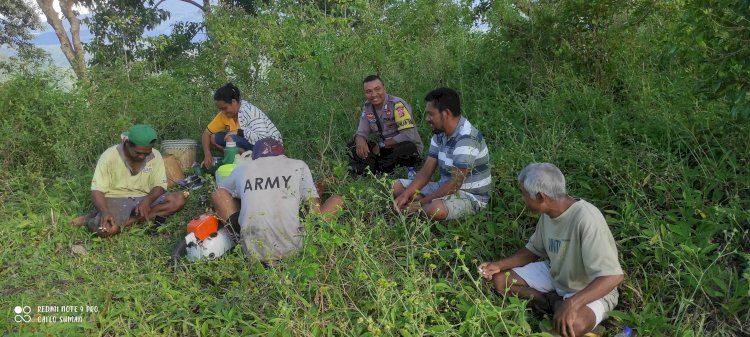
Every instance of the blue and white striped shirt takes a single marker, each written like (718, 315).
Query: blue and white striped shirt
(464, 149)
(255, 124)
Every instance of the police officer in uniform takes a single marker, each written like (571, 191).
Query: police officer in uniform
(397, 143)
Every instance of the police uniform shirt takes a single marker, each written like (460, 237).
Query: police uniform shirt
(395, 119)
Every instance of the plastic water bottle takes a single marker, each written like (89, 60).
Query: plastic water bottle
(230, 151)
(412, 173)
(626, 332)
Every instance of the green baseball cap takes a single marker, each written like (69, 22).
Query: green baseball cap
(141, 135)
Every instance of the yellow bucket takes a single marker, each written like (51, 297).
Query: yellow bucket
(223, 172)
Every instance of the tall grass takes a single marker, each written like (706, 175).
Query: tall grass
(667, 167)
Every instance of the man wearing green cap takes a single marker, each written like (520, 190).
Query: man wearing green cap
(129, 185)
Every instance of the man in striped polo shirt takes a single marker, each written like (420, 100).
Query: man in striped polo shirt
(461, 154)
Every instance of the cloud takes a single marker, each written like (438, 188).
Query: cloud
(56, 5)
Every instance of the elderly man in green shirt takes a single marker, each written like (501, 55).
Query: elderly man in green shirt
(578, 278)
(129, 185)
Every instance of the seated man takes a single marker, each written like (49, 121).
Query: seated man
(578, 279)
(459, 150)
(398, 142)
(270, 189)
(129, 185)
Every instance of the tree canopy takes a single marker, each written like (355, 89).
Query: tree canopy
(17, 19)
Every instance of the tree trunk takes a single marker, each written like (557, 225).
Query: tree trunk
(206, 7)
(72, 49)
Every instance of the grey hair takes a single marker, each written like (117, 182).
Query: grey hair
(543, 178)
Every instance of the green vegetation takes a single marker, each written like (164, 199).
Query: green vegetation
(607, 91)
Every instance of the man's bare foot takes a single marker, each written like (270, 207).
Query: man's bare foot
(548, 302)
(78, 221)
(132, 220)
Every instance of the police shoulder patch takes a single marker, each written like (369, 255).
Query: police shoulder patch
(403, 117)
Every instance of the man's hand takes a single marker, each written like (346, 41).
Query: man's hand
(408, 203)
(362, 149)
(564, 319)
(106, 220)
(489, 269)
(401, 201)
(143, 209)
(109, 230)
(424, 200)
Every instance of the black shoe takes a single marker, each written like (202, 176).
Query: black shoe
(193, 182)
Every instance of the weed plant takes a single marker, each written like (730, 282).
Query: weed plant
(667, 166)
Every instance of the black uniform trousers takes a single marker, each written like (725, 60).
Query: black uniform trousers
(401, 154)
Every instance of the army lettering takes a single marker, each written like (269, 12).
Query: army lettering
(267, 183)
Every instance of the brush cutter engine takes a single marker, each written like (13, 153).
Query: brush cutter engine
(206, 240)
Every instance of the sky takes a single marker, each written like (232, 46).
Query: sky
(56, 6)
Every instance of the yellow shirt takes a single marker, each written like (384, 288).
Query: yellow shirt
(113, 178)
(222, 123)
